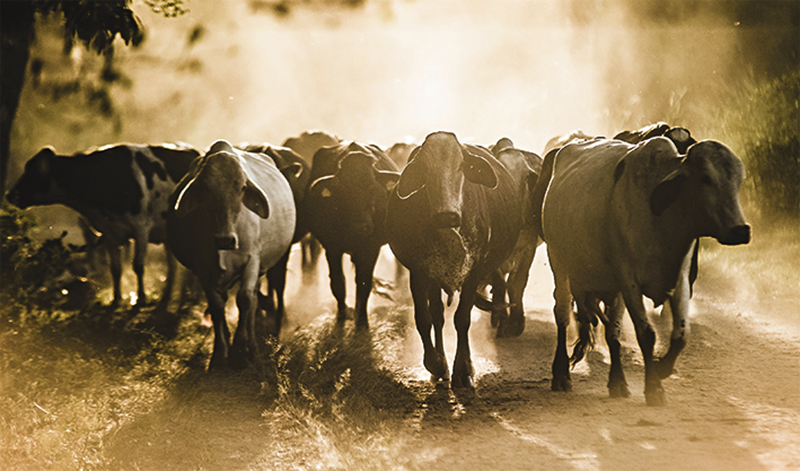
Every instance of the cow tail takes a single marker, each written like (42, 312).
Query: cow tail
(585, 342)
(587, 320)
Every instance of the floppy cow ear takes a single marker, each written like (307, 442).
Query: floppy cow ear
(478, 170)
(387, 180)
(667, 192)
(411, 180)
(187, 200)
(255, 200)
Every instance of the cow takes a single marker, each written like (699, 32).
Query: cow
(309, 142)
(346, 211)
(306, 145)
(564, 139)
(453, 218)
(231, 218)
(399, 152)
(679, 136)
(512, 276)
(588, 310)
(297, 172)
(121, 189)
(620, 222)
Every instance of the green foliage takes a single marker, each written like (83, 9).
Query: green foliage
(169, 8)
(97, 23)
(766, 124)
(34, 274)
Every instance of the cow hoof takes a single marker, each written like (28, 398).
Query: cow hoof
(436, 364)
(511, 327)
(562, 384)
(217, 362)
(463, 381)
(663, 369)
(619, 391)
(655, 397)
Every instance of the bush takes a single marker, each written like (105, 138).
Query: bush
(47, 275)
(766, 124)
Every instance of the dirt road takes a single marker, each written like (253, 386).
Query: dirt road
(733, 404)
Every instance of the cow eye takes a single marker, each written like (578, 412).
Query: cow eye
(706, 180)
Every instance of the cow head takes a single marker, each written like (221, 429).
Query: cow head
(440, 166)
(359, 192)
(35, 186)
(221, 188)
(708, 179)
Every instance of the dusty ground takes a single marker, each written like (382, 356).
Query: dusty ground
(734, 402)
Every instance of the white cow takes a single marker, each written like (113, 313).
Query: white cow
(232, 218)
(620, 221)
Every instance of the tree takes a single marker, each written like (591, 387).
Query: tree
(93, 23)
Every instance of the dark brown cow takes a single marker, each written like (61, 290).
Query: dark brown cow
(512, 277)
(122, 190)
(306, 145)
(453, 219)
(346, 211)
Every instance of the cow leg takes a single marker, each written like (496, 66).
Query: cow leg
(463, 371)
(499, 314)
(617, 386)
(336, 274)
(244, 340)
(433, 360)
(172, 268)
(653, 391)
(365, 266)
(517, 281)
(216, 307)
(115, 262)
(276, 280)
(563, 313)
(436, 309)
(139, 253)
(679, 305)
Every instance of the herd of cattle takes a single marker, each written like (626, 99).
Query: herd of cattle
(621, 219)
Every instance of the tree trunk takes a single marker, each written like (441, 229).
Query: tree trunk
(16, 33)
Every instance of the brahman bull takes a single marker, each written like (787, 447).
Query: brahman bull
(564, 139)
(306, 145)
(346, 211)
(679, 136)
(232, 217)
(122, 190)
(512, 276)
(297, 172)
(453, 218)
(620, 222)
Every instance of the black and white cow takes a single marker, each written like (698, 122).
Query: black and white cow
(620, 222)
(232, 217)
(121, 189)
(453, 219)
(346, 210)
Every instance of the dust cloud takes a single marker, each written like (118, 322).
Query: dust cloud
(394, 71)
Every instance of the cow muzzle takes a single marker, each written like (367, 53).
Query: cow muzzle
(226, 242)
(447, 220)
(739, 235)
